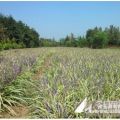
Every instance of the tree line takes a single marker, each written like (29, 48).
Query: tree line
(95, 38)
(16, 34)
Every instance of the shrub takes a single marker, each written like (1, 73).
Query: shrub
(99, 40)
(83, 43)
(9, 44)
(1, 47)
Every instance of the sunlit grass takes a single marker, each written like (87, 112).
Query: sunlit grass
(72, 75)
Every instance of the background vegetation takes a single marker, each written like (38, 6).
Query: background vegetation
(16, 34)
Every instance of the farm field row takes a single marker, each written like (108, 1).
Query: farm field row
(51, 82)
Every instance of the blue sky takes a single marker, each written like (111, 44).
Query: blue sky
(57, 19)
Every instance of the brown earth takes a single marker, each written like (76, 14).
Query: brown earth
(19, 112)
(42, 69)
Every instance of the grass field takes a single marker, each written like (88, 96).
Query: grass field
(51, 82)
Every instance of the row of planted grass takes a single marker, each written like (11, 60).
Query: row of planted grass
(75, 74)
(20, 91)
(15, 62)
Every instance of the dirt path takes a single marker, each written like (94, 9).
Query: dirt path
(23, 111)
(42, 69)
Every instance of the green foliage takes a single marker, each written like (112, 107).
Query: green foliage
(1, 47)
(113, 35)
(15, 93)
(10, 44)
(16, 34)
(96, 38)
(69, 41)
(100, 40)
(48, 42)
(23, 35)
(82, 42)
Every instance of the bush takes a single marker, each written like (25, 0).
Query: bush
(83, 43)
(99, 40)
(15, 45)
(1, 47)
(10, 45)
